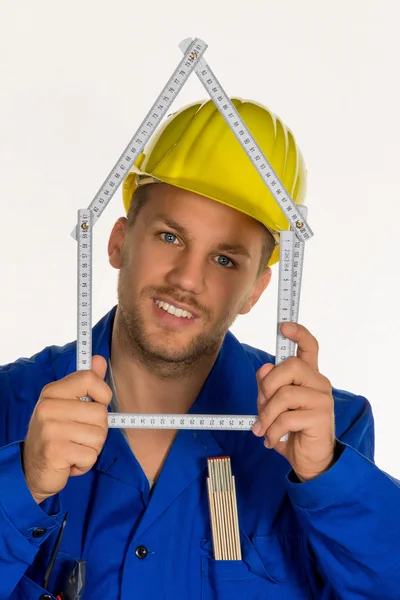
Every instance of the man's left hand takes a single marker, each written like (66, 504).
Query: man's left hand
(294, 397)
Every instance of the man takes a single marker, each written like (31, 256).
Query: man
(317, 518)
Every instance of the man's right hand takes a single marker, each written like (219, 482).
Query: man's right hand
(66, 434)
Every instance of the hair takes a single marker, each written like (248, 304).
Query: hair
(140, 197)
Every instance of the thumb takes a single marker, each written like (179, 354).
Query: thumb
(99, 365)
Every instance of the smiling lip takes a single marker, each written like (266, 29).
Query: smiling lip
(171, 321)
(176, 304)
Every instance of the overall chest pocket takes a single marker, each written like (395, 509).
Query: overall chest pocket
(30, 586)
(272, 568)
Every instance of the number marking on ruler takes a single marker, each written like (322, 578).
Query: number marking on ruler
(298, 261)
(285, 294)
(289, 288)
(118, 173)
(85, 249)
(183, 421)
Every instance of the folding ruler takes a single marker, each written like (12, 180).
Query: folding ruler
(291, 241)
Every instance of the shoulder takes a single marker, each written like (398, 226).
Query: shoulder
(257, 357)
(21, 383)
(354, 421)
(46, 362)
(342, 397)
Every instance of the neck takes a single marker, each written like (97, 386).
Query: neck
(142, 388)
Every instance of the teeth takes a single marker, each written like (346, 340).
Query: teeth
(172, 310)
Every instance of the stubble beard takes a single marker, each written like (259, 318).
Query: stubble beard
(157, 357)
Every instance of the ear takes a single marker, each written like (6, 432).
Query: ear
(116, 242)
(260, 285)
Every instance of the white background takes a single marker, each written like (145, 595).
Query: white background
(78, 77)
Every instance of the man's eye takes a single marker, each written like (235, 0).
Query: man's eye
(224, 261)
(168, 237)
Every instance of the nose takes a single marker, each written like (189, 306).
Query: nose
(187, 273)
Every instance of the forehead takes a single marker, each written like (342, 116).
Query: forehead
(200, 214)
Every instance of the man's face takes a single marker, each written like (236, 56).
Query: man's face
(181, 251)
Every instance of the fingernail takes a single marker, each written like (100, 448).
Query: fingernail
(290, 327)
(266, 442)
(257, 427)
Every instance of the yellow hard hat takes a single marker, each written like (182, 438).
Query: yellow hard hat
(195, 149)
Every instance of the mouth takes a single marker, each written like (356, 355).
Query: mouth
(167, 315)
(174, 308)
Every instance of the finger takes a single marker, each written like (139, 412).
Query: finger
(291, 398)
(293, 371)
(77, 385)
(76, 471)
(307, 344)
(53, 410)
(99, 365)
(91, 436)
(82, 458)
(260, 375)
(309, 422)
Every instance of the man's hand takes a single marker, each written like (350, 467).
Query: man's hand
(65, 434)
(294, 397)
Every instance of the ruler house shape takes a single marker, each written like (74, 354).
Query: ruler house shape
(291, 241)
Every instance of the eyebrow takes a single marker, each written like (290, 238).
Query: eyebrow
(181, 229)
